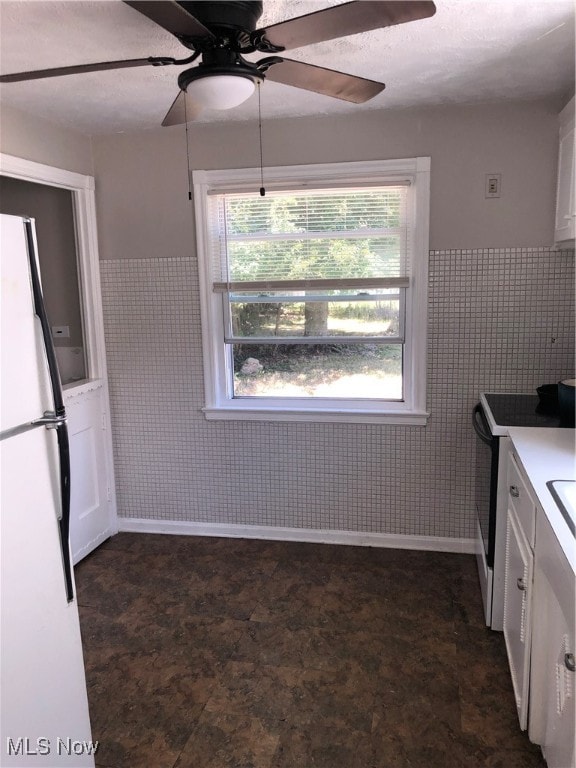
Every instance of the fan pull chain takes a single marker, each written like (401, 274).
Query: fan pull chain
(262, 189)
(187, 148)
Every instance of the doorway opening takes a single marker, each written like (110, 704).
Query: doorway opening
(52, 208)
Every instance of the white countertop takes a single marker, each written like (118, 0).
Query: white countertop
(548, 454)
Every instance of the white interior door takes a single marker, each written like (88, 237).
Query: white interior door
(90, 493)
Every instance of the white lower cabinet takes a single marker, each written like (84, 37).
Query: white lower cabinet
(552, 721)
(539, 624)
(518, 611)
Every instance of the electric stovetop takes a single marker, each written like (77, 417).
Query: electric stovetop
(517, 410)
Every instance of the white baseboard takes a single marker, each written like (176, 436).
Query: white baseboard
(311, 535)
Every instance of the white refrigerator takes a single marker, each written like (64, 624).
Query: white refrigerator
(44, 719)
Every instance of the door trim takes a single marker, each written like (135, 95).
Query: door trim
(84, 208)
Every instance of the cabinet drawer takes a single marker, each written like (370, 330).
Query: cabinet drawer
(521, 500)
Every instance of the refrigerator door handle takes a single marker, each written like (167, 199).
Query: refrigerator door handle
(57, 418)
(49, 420)
(64, 522)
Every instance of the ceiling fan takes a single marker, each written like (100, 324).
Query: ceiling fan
(221, 33)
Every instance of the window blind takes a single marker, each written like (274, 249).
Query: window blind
(321, 238)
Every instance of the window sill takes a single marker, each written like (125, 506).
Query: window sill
(335, 415)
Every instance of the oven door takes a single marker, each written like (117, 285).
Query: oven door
(487, 449)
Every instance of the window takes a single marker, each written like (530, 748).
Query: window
(314, 295)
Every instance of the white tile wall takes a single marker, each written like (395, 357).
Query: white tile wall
(499, 320)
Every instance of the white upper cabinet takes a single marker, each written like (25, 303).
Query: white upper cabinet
(565, 224)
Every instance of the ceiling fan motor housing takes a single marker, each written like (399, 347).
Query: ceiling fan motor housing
(232, 19)
(220, 61)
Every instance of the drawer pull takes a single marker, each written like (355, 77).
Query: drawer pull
(521, 584)
(569, 662)
(514, 491)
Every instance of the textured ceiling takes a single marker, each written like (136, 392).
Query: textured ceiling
(471, 51)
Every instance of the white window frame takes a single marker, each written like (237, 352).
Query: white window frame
(220, 403)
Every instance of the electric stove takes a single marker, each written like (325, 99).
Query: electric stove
(505, 410)
(492, 418)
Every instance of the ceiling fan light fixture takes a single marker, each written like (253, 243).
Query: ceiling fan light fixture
(220, 91)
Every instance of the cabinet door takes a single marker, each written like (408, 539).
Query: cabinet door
(517, 611)
(558, 745)
(565, 199)
(552, 678)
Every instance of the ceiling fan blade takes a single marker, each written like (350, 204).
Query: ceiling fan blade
(346, 19)
(326, 81)
(79, 69)
(183, 110)
(171, 16)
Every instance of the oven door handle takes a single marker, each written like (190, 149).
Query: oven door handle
(481, 425)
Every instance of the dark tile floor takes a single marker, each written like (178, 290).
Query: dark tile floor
(230, 653)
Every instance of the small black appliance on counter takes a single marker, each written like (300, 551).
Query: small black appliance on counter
(566, 401)
(558, 400)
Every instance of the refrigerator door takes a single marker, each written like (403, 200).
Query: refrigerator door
(28, 351)
(44, 707)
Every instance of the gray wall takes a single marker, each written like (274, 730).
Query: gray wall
(142, 189)
(171, 464)
(44, 142)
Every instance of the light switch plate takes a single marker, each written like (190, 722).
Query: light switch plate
(493, 184)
